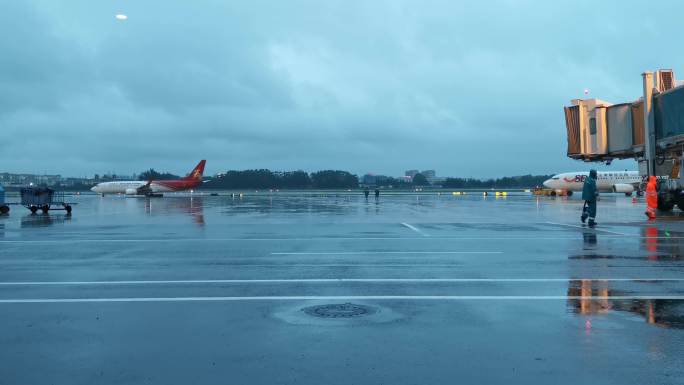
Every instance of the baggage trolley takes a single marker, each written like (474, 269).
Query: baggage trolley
(44, 199)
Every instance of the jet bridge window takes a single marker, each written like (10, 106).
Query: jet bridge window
(592, 126)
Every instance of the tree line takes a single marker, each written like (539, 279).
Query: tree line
(523, 181)
(337, 179)
(267, 179)
(153, 174)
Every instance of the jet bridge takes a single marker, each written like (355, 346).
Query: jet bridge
(649, 130)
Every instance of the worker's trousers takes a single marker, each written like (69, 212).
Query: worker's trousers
(589, 210)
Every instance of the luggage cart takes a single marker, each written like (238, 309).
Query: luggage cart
(44, 199)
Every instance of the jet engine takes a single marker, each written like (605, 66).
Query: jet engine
(623, 188)
(131, 191)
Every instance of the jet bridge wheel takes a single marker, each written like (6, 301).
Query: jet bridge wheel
(33, 209)
(680, 202)
(665, 202)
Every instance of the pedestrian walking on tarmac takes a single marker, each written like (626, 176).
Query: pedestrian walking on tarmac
(590, 196)
(366, 192)
(651, 198)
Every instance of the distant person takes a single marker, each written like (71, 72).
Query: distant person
(590, 196)
(377, 193)
(366, 192)
(651, 198)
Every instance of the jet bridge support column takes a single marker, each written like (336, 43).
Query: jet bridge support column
(649, 126)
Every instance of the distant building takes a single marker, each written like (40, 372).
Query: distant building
(20, 180)
(114, 177)
(9, 179)
(379, 180)
(48, 180)
(369, 180)
(411, 173)
(431, 176)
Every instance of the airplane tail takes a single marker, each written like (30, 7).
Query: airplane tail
(196, 173)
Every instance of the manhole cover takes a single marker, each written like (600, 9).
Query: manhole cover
(339, 310)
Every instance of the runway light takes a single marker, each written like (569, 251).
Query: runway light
(121, 16)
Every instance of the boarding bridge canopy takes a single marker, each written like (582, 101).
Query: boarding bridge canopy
(668, 112)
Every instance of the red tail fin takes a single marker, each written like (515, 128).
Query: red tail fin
(196, 173)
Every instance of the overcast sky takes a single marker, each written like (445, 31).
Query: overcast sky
(469, 88)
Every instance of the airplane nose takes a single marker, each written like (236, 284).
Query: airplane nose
(93, 189)
(547, 183)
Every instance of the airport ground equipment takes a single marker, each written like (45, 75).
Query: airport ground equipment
(550, 192)
(44, 199)
(4, 207)
(649, 130)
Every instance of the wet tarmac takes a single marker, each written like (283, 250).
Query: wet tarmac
(329, 288)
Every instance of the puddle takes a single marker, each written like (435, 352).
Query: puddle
(43, 220)
(666, 313)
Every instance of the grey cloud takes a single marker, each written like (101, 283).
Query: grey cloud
(468, 88)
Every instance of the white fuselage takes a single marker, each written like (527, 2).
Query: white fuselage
(607, 181)
(124, 186)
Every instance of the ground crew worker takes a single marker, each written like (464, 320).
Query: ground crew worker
(366, 192)
(590, 195)
(377, 193)
(651, 197)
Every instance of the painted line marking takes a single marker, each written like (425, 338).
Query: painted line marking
(383, 265)
(385, 252)
(586, 228)
(329, 280)
(342, 298)
(414, 228)
(431, 238)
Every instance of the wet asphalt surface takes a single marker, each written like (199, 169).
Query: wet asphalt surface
(450, 289)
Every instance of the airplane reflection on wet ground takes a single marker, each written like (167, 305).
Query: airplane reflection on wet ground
(193, 288)
(192, 206)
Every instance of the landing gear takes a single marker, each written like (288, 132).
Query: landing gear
(569, 193)
(4, 209)
(45, 209)
(67, 208)
(33, 209)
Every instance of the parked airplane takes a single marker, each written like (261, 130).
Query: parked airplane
(608, 181)
(140, 187)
